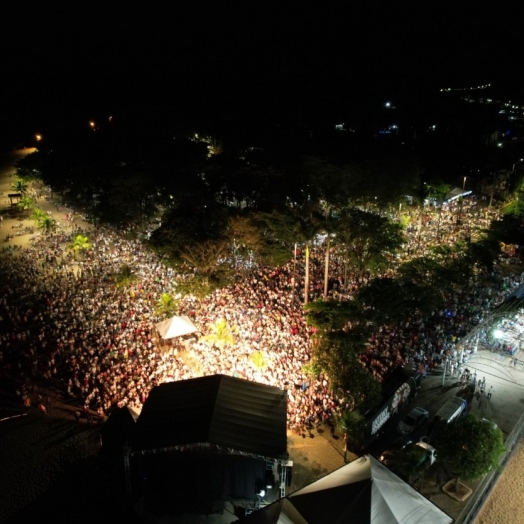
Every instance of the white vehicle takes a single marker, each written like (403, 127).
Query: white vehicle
(431, 452)
(451, 410)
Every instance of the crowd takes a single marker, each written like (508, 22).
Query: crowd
(66, 321)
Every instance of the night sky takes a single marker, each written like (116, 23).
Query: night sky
(259, 60)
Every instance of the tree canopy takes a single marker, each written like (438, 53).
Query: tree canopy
(367, 239)
(470, 447)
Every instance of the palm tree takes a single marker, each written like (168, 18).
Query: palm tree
(166, 305)
(80, 243)
(259, 360)
(125, 277)
(20, 186)
(46, 224)
(26, 203)
(37, 214)
(221, 333)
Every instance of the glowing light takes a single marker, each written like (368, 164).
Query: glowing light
(498, 334)
(38, 138)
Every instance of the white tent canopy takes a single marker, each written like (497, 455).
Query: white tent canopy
(362, 492)
(176, 327)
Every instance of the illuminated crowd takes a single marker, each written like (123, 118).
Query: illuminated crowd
(98, 342)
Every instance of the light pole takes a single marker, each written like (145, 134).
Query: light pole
(464, 184)
(438, 223)
(293, 277)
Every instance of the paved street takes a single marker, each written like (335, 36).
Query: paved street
(505, 408)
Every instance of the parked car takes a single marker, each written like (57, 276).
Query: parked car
(393, 457)
(414, 420)
(397, 445)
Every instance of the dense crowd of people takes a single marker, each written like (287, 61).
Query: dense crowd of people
(65, 320)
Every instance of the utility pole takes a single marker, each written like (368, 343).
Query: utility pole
(294, 277)
(326, 266)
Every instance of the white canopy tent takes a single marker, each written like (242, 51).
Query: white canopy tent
(176, 327)
(362, 492)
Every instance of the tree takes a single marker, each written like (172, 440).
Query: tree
(307, 226)
(259, 360)
(282, 229)
(337, 355)
(367, 239)
(391, 300)
(125, 277)
(166, 305)
(277, 236)
(245, 241)
(509, 229)
(26, 203)
(191, 223)
(37, 214)
(383, 182)
(484, 252)
(444, 268)
(80, 243)
(29, 167)
(211, 261)
(350, 422)
(20, 186)
(342, 331)
(221, 334)
(327, 316)
(46, 224)
(470, 447)
(437, 190)
(409, 463)
(129, 198)
(329, 180)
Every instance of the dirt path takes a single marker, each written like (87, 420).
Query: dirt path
(14, 222)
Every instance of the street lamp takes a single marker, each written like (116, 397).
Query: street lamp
(38, 137)
(464, 184)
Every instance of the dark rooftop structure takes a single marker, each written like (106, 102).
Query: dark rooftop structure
(220, 410)
(201, 443)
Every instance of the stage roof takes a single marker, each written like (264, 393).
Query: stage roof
(217, 409)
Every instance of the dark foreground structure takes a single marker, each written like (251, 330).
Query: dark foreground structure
(200, 443)
(362, 492)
